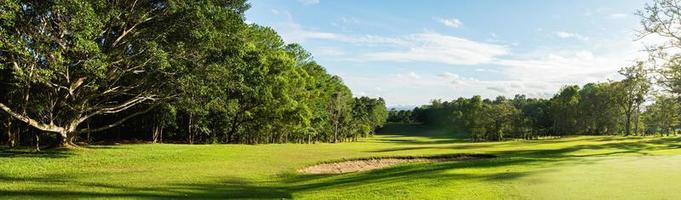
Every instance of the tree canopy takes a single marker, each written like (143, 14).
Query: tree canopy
(193, 70)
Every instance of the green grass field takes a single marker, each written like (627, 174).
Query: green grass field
(566, 168)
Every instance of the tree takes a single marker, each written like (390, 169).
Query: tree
(631, 93)
(663, 115)
(72, 67)
(564, 110)
(75, 60)
(339, 107)
(164, 116)
(537, 113)
(400, 116)
(661, 18)
(367, 115)
(598, 113)
(499, 114)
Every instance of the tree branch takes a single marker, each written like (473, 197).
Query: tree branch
(119, 122)
(115, 109)
(32, 122)
(125, 32)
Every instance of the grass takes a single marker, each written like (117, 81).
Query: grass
(583, 167)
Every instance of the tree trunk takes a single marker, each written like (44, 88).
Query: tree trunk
(189, 131)
(636, 132)
(628, 124)
(231, 134)
(37, 141)
(66, 138)
(155, 134)
(63, 141)
(89, 140)
(11, 140)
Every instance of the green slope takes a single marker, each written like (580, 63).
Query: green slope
(567, 168)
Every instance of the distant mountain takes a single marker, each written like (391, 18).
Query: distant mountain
(402, 107)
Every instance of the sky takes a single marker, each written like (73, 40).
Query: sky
(410, 52)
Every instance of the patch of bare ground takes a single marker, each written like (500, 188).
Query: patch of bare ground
(365, 164)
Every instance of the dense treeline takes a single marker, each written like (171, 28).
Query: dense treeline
(173, 70)
(615, 107)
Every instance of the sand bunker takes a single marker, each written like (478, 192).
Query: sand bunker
(365, 164)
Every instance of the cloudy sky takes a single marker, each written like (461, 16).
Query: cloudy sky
(410, 52)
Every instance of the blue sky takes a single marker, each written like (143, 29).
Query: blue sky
(410, 52)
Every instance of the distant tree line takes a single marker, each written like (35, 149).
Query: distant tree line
(609, 108)
(165, 70)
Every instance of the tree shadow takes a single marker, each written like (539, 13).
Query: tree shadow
(20, 152)
(287, 185)
(97, 147)
(421, 142)
(419, 130)
(284, 186)
(229, 188)
(629, 145)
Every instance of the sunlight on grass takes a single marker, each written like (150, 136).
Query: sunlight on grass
(538, 169)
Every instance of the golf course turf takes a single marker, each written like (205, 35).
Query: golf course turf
(577, 167)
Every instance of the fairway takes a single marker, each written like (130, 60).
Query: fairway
(585, 167)
(319, 99)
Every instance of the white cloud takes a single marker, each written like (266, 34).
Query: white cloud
(451, 22)
(555, 70)
(413, 75)
(410, 75)
(328, 51)
(455, 79)
(486, 70)
(499, 89)
(546, 70)
(403, 89)
(427, 47)
(309, 2)
(561, 34)
(293, 32)
(350, 20)
(438, 48)
(566, 35)
(448, 75)
(618, 15)
(537, 73)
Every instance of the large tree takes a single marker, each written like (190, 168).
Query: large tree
(75, 60)
(661, 19)
(565, 111)
(663, 115)
(599, 114)
(630, 93)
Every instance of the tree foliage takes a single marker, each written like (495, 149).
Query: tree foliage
(594, 109)
(70, 68)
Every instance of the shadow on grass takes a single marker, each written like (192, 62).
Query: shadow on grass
(182, 191)
(418, 130)
(503, 168)
(422, 147)
(98, 147)
(235, 188)
(630, 144)
(30, 153)
(285, 185)
(231, 188)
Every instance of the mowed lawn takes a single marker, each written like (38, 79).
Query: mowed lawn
(584, 167)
